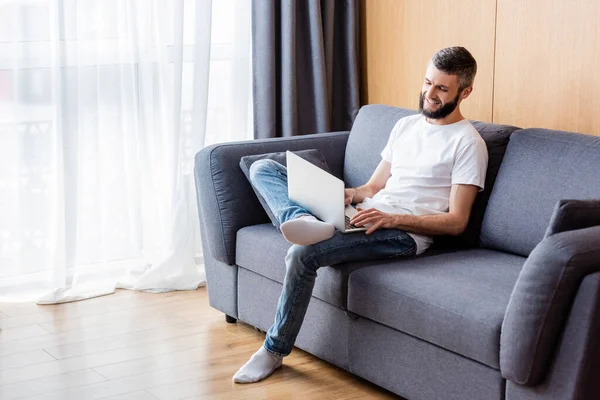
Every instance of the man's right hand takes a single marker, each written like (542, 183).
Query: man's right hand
(349, 195)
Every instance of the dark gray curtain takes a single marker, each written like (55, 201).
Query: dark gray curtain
(305, 66)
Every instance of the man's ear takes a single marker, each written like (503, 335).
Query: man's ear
(466, 92)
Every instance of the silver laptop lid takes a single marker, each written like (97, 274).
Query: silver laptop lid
(321, 193)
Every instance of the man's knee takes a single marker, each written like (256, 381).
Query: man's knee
(263, 167)
(300, 257)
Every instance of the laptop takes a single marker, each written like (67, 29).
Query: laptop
(321, 193)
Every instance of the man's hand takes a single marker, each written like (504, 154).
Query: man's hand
(452, 222)
(375, 218)
(376, 183)
(349, 195)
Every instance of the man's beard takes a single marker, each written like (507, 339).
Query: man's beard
(441, 112)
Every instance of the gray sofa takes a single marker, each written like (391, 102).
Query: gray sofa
(508, 310)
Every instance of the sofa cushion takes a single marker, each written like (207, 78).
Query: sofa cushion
(456, 301)
(540, 168)
(262, 249)
(569, 215)
(312, 155)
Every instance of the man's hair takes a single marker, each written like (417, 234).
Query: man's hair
(456, 61)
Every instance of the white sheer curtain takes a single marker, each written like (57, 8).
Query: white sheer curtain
(103, 104)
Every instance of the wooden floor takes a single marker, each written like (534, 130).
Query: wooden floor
(143, 346)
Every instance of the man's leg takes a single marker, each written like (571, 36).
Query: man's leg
(302, 263)
(297, 225)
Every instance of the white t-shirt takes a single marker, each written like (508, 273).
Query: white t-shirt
(426, 161)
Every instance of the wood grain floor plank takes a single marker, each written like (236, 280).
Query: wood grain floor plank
(48, 384)
(142, 346)
(306, 386)
(24, 359)
(7, 335)
(110, 357)
(26, 320)
(135, 338)
(175, 359)
(221, 367)
(128, 316)
(219, 377)
(78, 395)
(141, 395)
(114, 329)
(56, 315)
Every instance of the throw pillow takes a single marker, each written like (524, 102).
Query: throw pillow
(312, 155)
(569, 215)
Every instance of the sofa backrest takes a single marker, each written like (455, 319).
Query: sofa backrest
(369, 136)
(540, 168)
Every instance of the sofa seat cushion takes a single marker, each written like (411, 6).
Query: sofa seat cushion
(456, 300)
(262, 249)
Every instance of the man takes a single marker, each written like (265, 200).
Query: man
(431, 170)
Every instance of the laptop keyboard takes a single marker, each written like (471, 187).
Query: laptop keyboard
(348, 225)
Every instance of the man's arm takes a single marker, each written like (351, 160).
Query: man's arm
(375, 184)
(454, 222)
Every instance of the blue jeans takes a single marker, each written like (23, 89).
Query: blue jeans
(302, 262)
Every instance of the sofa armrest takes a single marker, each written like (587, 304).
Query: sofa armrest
(574, 371)
(226, 201)
(541, 300)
